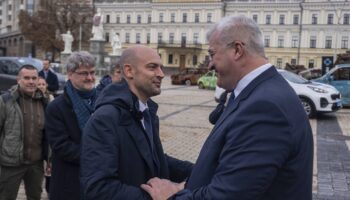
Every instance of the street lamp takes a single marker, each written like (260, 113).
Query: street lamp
(300, 30)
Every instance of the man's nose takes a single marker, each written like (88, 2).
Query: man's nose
(31, 81)
(90, 76)
(160, 73)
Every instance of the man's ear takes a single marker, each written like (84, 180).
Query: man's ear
(70, 75)
(239, 50)
(128, 71)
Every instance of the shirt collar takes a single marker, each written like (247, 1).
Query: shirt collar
(142, 106)
(250, 77)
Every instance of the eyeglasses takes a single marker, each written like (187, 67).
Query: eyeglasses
(85, 73)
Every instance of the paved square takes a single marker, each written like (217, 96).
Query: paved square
(184, 126)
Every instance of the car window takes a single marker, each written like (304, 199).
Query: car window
(3, 68)
(293, 77)
(12, 67)
(341, 74)
(209, 74)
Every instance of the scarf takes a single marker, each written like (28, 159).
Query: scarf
(83, 103)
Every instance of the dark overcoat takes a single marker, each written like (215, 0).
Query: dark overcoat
(116, 154)
(64, 136)
(51, 80)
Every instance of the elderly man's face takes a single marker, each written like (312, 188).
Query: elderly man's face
(83, 78)
(27, 80)
(222, 59)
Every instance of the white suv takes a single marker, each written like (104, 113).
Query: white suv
(315, 97)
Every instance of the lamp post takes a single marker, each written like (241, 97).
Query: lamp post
(80, 36)
(336, 36)
(300, 30)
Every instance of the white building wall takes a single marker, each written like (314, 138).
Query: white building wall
(217, 9)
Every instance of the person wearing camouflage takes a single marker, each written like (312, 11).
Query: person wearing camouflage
(21, 137)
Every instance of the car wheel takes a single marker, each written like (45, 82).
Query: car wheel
(308, 107)
(188, 82)
(200, 85)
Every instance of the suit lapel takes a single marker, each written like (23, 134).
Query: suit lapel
(245, 93)
(142, 144)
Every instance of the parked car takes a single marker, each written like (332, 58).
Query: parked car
(315, 97)
(188, 76)
(311, 73)
(207, 81)
(9, 67)
(339, 77)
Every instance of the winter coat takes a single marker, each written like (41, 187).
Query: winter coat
(116, 154)
(11, 127)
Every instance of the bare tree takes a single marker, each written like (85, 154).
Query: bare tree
(55, 17)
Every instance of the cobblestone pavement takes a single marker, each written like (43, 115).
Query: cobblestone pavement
(184, 126)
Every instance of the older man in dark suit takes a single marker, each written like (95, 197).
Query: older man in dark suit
(261, 147)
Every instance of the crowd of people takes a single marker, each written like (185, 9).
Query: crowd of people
(103, 142)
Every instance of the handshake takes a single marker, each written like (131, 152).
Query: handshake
(162, 189)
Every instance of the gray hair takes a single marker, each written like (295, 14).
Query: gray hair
(80, 58)
(241, 28)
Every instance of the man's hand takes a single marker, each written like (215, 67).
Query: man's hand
(48, 169)
(162, 189)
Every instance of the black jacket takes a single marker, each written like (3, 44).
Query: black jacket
(116, 157)
(51, 80)
(63, 132)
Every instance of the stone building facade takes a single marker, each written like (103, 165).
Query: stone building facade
(12, 42)
(295, 31)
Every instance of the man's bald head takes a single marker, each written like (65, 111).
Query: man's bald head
(133, 55)
(142, 69)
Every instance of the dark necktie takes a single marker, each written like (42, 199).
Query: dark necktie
(148, 126)
(229, 103)
(231, 100)
(149, 130)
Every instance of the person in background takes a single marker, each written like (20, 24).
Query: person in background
(50, 77)
(21, 138)
(66, 117)
(219, 109)
(261, 147)
(114, 76)
(42, 85)
(121, 148)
